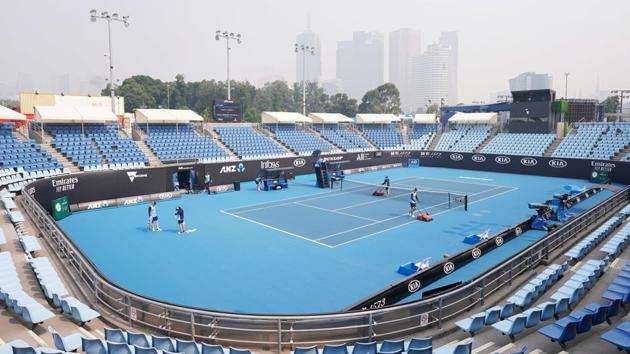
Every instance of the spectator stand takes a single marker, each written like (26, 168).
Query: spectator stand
(383, 130)
(291, 129)
(422, 130)
(337, 129)
(467, 132)
(172, 136)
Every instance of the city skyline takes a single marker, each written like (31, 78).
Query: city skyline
(164, 40)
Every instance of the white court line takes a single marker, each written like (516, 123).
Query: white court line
(482, 348)
(333, 211)
(479, 179)
(284, 202)
(275, 229)
(455, 181)
(414, 220)
(398, 216)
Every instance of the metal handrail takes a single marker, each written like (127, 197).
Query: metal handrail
(288, 331)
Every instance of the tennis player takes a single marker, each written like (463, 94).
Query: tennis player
(153, 217)
(413, 202)
(179, 215)
(386, 183)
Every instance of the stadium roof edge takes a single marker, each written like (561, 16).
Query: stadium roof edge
(145, 115)
(284, 117)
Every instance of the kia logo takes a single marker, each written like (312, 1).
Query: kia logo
(498, 240)
(476, 253)
(449, 267)
(557, 163)
(478, 158)
(503, 160)
(299, 162)
(457, 157)
(528, 161)
(413, 286)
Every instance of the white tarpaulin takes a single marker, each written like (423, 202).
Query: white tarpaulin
(71, 114)
(7, 113)
(329, 118)
(425, 119)
(284, 118)
(166, 116)
(376, 118)
(473, 118)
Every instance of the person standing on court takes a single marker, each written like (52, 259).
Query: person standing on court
(413, 202)
(179, 215)
(153, 217)
(206, 181)
(386, 184)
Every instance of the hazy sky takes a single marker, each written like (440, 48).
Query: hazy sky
(498, 38)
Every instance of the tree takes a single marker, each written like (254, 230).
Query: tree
(383, 99)
(433, 108)
(611, 104)
(341, 103)
(276, 97)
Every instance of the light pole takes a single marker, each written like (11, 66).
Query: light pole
(305, 49)
(168, 95)
(621, 94)
(228, 35)
(109, 18)
(566, 86)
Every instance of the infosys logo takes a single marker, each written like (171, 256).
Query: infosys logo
(503, 160)
(299, 162)
(134, 174)
(529, 161)
(269, 164)
(478, 158)
(457, 157)
(557, 163)
(413, 286)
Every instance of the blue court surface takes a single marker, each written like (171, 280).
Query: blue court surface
(304, 249)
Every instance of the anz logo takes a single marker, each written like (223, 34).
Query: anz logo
(233, 168)
(457, 157)
(557, 163)
(413, 286)
(478, 158)
(529, 161)
(503, 160)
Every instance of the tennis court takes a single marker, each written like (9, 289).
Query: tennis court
(351, 211)
(304, 249)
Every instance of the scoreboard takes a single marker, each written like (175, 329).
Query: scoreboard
(226, 111)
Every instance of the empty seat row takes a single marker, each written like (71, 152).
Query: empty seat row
(519, 144)
(538, 285)
(580, 250)
(463, 137)
(385, 136)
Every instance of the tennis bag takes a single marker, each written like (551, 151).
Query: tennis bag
(425, 217)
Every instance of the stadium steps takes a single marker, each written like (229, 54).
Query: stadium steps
(358, 131)
(57, 155)
(552, 148)
(618, 156)
(319, 135)
(435, 141)
(487, 140)
(404, 131)
(153, 159)
(217, 139)
(266, 132)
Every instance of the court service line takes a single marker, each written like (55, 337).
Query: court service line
(412, 221)
(276, 229)
(398, 216)
(464, 182)
(477, 178)
(333, 211)
(284, 202)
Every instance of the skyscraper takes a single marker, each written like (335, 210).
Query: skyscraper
(450, 40)
(314, 62)
(404, 44)
(530, 81)
(430, 76)
(360, 63)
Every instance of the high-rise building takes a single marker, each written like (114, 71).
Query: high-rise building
(360, 63)
(430, 76)
(404, 44)
(313, 71)
(450, 40)
(531, 81)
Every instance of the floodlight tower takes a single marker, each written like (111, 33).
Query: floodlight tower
(306, 50)
(227, 36)
(109, 18)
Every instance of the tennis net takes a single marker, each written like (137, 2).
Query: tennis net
(429, 198)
